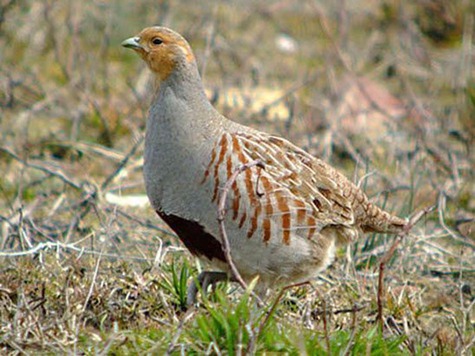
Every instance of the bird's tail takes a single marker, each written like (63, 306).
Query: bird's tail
(379, 220)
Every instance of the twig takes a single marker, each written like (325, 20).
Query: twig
(93, 282)
(222, 213)
(146, 223)
(42, 168)
(59, 245)
(441, 207)
(355, 308)
(122, 163)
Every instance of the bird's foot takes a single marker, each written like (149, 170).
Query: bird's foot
(203, 281)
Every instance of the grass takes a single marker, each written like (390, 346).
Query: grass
(87, 268)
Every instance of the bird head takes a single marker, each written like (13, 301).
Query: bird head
(162, 49)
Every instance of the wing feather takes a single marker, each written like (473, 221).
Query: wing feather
(295, 194)
(305, 178)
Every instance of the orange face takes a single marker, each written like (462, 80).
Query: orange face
(161, 48)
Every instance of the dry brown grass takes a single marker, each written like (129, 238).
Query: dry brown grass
(383, 90)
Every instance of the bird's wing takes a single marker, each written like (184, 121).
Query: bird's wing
(306, 177)
(294, 193)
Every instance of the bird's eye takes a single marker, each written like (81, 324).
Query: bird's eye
(157, 41)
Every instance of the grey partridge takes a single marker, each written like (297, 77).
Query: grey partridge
(284, 218)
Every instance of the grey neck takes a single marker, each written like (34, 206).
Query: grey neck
(186, 86)
(181, 114)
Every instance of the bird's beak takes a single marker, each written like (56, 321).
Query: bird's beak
(133, 43)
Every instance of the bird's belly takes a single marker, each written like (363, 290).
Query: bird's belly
(278, 263)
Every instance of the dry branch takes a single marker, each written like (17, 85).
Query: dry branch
(53, 172)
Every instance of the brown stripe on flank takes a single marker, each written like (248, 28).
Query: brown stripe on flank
(284, 208)
(213, 157)
(301, 212)
(268, 187)
(249, 186)
(311, 226)
(266, 225)
(257, 212)
(222, 144)
(269, 207)
(243, 219)
(235, 200)
(286, 228)
(266, 228)
(223, 148)
(238, 150)
(216, 187)
(241, 158)
(236, 146)
(229, 167)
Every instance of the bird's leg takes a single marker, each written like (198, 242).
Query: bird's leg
(203, 281)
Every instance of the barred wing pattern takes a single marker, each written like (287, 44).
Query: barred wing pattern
(294, 194)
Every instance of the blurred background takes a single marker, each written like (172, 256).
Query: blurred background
(384, 90)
